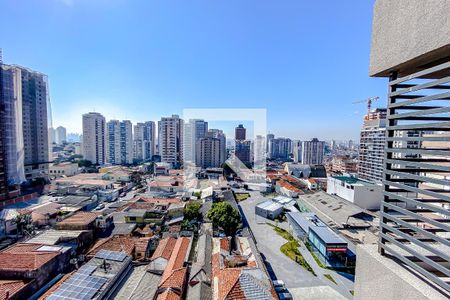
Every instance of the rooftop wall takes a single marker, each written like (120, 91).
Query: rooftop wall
(409, 35)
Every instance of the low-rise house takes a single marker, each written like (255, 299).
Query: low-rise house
(311, 184)
(63, 169)
(161, 168)
(7, 221)
(176, 209)
(83, 203)
(25, 268)
(99, 278)
(118, 243)
(143, 216)
(161, 256)
(78, 240)
(236, 274)
(287, 188)
(173, 280)
(78, 221)
(45, 214)
(200, 274)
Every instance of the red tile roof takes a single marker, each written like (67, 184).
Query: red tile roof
(80, 218)
(25, 257)
(115, 243)
(168, 295)
(165, 248)
(10, 287)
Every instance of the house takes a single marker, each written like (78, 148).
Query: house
(173, 280)
(78, 221)
(99, 278)
(144, 216)
(7, 221)
(135, 247)
(237, 274)
(45, 214)
(78, 240)
(161, 256)
(63, 169)
(176, 209)
(161, 168)
(25, 268)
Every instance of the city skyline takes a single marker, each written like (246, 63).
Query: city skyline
(275, 71)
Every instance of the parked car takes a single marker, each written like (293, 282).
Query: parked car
(100, 206)
(278, 283)
(285, 296)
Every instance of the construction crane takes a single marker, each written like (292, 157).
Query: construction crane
(369, 102)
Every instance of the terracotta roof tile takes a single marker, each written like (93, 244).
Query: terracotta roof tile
(168, 295)
(80, 218)
(115, 243)
(23, 257)
(10, 287)
(165, 248)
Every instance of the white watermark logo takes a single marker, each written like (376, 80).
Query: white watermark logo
(247, 159)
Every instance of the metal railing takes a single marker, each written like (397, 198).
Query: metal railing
(415, 212)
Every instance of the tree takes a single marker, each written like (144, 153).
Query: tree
(84, 163)
(223, 215)
(192, 211)
(24, 224)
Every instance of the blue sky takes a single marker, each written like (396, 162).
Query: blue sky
(304, 61)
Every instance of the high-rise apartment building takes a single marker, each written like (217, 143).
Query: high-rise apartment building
(313, 152)
(219, 134)
(371, 148)
(119, 142)
(170, 137)
(243, 150)
(94, 138)
(280, 148)
(27, 116)
(240, 133)
(60, 135)
(412, 261)
(208, 152)
(194, 130)
(144, 141)
(297, 151)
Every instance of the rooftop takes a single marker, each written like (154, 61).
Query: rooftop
(354, 181)
(80, 218)
(53, 237)
(27, 257)
(270, 205)
(118, 243)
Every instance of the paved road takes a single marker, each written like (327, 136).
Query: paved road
(269, 243)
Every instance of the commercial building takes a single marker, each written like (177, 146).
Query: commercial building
(99, 278)
(119, 142)
(372, 143)
(170, 135)
(331, 248)
(413, 259)
(194, 130)
(313, 152)
(94, 138)
(144, 141)
(60, 135)
(363, 193)
(240, 133)
(269, 209)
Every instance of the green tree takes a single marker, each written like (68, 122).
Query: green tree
(84, 163)
(24, 224)
(192, 211)
(224, 216)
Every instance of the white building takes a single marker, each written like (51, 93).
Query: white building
(372, 144)
(94, 139)
(65, 168)
(60, 135)
(170, 135)
(365, 194)
(119, 141)
(144, 141)
(312, 152)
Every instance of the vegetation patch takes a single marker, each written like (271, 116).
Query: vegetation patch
(330, 278)
(241, 196)
(290, 249)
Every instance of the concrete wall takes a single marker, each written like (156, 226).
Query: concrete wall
(367, 197)
(378, 277)
(408, 33)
